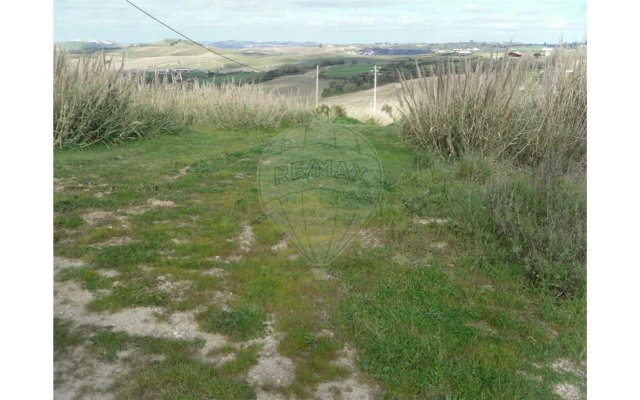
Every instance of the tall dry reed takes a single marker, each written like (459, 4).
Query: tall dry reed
(526, 110)
(96, 100)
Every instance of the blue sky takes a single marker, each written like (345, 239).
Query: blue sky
(330, 21)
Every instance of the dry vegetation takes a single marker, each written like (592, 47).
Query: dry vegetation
(515, 109)
(522, 113)
(97, 101)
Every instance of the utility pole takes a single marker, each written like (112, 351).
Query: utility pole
(375, 86)
(317, 78)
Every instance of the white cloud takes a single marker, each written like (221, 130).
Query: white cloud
(355, 20)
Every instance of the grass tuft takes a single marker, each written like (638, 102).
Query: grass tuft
(243, 323)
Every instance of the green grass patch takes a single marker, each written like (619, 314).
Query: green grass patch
(129, 295)
(314, 355)
(242, 323)
(126, 256)
(243, 361)
(68, 221)
(341, 71)
(90, 278)
(184, 378)
(64, 337)
(460, 308)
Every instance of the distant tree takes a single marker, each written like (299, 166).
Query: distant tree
(537, 55)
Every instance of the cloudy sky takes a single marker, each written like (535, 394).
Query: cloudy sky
(325, 21)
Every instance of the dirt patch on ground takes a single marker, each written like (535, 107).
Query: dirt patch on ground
(151, 204)
(273, 369)
(351, 388)
(116, 241)
(568, 391)
(107, 192)
(430, 221)
(99, 218)
(245, 241)
(60, 184)
(69, 185)
(321, 274)
(108, 273)
(217, 272)
(81, 375)
(63, 263)
(70, 301)
(564, 365)
(280, 246)
(94, 218)
(160, 203)
(368, 239)
(182, 172)
(439, 245)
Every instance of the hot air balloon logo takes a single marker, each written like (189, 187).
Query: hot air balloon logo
(320, 184)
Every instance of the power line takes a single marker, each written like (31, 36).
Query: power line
(191, 40)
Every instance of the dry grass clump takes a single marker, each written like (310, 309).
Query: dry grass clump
(93, 102)
(98, 101)
(225, 106)
(524, 110)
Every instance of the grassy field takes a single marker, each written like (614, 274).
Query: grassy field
(428, 302)
(339, 71)
(468, 281)
(183, 54)
(236, 77)
(303, 86)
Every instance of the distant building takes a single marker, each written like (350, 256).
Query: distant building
(515, 54)
(547, 51)
(464, 51)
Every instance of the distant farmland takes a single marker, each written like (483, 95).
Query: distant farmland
(342, 71)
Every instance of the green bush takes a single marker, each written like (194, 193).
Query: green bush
(540, 219)
(336, 111)
(474, 169)
(327, 63)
